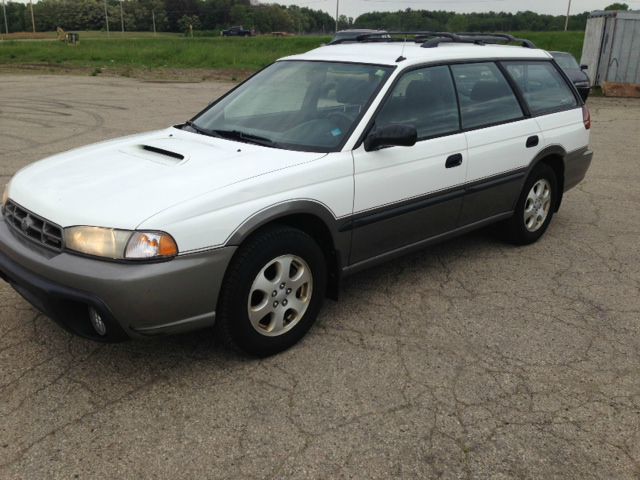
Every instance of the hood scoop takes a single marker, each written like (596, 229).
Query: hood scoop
(162, 151)
(168, 157)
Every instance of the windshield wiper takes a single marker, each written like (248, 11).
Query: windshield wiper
(245, 137)
(199, 130)
(234, 135)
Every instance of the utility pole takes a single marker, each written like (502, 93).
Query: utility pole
(337, 8)
(153, 19)
(121, 17)
(566, 22)
(6, 25)
(106, 17)
(33, 22)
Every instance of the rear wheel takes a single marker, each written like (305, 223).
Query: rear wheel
(535, 207)
(272, 292)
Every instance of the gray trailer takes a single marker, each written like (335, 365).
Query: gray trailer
(611, 51)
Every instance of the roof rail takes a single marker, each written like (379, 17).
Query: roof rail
(488, 36)
(429, 39)
(384, 36)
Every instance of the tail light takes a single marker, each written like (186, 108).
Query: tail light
(586, 117)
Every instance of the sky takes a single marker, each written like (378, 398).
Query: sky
(353, 8)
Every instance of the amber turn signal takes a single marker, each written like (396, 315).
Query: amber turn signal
(151, 244)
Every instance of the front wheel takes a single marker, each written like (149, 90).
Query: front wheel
(272, 292)
(535, 207)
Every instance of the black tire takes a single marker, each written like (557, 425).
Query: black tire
(233, 325)
(515, 229)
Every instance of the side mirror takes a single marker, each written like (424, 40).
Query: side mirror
(391, 136)
(584, 67)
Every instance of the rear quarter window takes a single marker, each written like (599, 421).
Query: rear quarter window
(542, 86)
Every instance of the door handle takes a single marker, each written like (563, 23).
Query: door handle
(532, 141)
(454, 160)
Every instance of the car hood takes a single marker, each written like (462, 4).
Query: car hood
(122, 182)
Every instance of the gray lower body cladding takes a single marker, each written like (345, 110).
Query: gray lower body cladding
(421, 221)
(135, 300)
(576, 164)
(433, 215)
(143, 299)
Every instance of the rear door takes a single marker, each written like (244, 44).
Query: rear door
(501, 140)
(406, 194)
(553, 104)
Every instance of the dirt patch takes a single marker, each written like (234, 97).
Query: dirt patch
(147, 74)
(28, 36)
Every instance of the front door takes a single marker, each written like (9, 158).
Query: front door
(406, 194)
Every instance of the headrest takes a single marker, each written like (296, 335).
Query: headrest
(354, 91)
(421, 92)
(486, 90)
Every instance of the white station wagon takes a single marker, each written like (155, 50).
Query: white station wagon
(247, 216)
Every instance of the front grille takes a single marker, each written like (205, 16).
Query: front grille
(33, 226)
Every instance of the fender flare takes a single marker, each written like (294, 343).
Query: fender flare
(284, 209)
(340, 236)
(550, 150)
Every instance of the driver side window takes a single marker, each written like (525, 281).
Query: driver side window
(424, 98)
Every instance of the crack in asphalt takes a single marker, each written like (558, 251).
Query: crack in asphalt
(471, 359)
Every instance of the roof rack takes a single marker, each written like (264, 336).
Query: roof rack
(488, 37)
(429, 39)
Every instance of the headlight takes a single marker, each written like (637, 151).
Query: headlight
(120, 244)
(5, 194)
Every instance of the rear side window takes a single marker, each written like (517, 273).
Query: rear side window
(542, 86)
(486, 97)
(424, 98)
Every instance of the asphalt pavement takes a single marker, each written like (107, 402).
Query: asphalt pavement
(472, 359)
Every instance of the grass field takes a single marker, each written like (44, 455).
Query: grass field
(563, 41)
(168, 52)
(145, 51)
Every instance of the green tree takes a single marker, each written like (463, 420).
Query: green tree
(458, 23)
(617, 6)
(241, 15)
(16, 17)
(176, 9)
(188, 22)
(265, 17)
(483, 22)
(344, 22)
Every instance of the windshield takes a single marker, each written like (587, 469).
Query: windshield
(298, 105)
(565, 60)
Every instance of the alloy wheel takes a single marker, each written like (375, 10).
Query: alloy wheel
(280, 295)
(537, 205)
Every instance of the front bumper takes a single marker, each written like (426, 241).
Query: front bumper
(134, 299)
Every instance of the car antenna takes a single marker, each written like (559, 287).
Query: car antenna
(401, 57)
